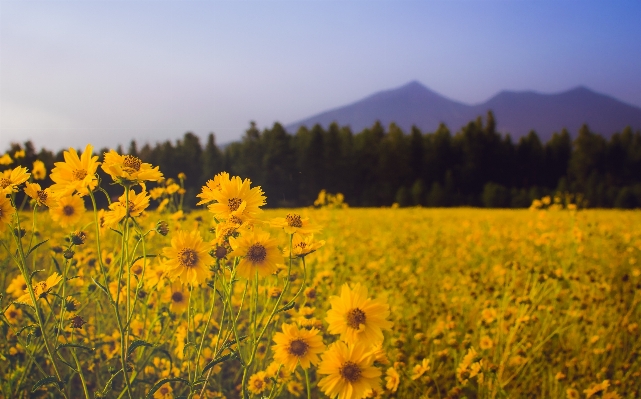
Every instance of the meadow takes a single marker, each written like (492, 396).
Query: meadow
(326, 301)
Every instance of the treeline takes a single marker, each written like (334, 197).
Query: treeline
(476, 166)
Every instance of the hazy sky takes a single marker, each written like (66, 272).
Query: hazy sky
(73, 72)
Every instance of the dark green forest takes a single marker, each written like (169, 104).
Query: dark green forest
(476, 166)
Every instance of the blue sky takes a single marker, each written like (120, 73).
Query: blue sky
(105, 72)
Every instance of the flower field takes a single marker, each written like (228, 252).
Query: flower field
(328, 301)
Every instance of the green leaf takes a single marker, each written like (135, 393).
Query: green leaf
(137, 344)
(141, 256)
(35, 247)
(55, 262)
(162, 382)
(25, 327)
(286, 307)
(46, 381)
(215, 362)
(33, 273)
(102, 287)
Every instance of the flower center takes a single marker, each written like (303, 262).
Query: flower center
(350, 371)
(68, 210)
(355, 318)
(298, 347)
(234, 203)
(79, 174)
(132, 163)
(221, 252)
(301, 245)
(42, 196)
(187, 257)
(4, 182)
(236, 220)
(293, 220)
(177, 297)
(256, 253)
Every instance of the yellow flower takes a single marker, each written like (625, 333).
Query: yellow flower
(13, 314)
(17, 286)
(6, 211)
(356, 317)
(212, 186)
(177, 295)
(129, 169)
(258, 383)
(186, 257)
(156, 192)
(236, 201)
(349, 370)
(260, 254)
(38, 171)
(420, 369)
(41, 289)
(572, 393)
(172, 188)
(19, 154)
(75, 173)
(597, 389)
(294, 223)
(392, 379)
(68, 211)
(486, 342)
(303, 245)
(294, 346)
(10, 179)
(137, 204)
(6, 159)
(164, 392)
(42, 197)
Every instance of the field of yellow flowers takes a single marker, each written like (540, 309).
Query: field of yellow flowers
(233, 301)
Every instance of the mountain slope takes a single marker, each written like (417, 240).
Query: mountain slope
(516, 112)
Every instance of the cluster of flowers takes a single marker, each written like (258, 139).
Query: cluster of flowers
(241, 251)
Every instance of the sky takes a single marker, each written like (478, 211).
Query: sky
(106, 72)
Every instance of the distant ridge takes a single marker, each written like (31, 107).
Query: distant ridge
(516, 112)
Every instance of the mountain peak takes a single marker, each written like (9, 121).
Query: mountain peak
(516, 112)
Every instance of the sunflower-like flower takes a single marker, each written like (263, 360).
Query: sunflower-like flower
(294, 346)
(295, 223)
(10, 179)
(75, 173)
(40, 196)
(41, 289)
(236, 201)
(177, 296)
(39, 171)
(260, 253)
(420, 369)
(356, 317)
(118, 210)
(350, 371)
(6, 211)
(212, 186)
(128, 169)
(303, 245)
(5, 159)
(258, 383)
(186, 257)
(69, 210)
(17, 286)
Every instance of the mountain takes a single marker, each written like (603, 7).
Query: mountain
(516, 112)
